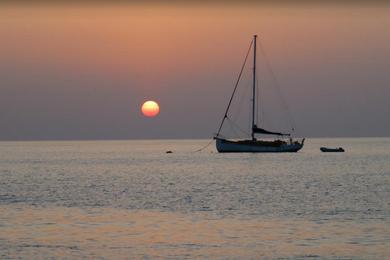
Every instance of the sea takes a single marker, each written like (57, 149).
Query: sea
(132, 200)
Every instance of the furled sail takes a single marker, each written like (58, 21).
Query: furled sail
(257, 130)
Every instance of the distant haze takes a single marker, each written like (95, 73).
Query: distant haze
(83, 72)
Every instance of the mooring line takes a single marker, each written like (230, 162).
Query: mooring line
(204, 147)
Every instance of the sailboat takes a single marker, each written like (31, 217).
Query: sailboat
(253, 145)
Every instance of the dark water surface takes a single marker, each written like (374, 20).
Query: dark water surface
(129, 199)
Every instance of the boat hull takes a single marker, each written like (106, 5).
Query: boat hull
(332, 150)
(227, 146)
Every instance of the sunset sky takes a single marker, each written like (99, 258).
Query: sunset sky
(72, 71)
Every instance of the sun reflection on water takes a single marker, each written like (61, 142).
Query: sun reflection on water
(115, 233)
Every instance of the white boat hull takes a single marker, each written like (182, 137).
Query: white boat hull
(227, 146)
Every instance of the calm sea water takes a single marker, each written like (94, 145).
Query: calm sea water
(129, 199)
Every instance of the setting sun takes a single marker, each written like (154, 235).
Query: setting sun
(150, 108)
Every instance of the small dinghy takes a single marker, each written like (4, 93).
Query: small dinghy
(332, 150)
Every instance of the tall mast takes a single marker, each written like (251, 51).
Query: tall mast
(254, 87)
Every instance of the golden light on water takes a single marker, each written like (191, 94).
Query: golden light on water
(165, 233)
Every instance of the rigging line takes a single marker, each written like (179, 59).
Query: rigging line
(235, 134)
(277, 85)
(236, 125)
(258, 99)
(235, 88)
(241, 99)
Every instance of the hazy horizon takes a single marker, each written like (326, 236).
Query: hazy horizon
(75, 72)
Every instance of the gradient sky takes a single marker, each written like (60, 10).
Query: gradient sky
(82, 72)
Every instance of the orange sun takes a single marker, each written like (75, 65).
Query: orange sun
(150, 108)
